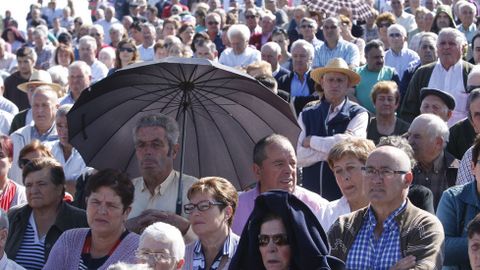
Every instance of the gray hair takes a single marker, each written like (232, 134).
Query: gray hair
(400, 143)
(84, 67)
(128, 266)
(306, 45)
(310, 20)
(397, 27)
(159, 120)
(434, 126)
(426, 35)
(48, 91)
(59, 75)
(460, 38)
(165, 234)
(117, 27)
(63, 110)
(98, 28)
(259, 154)
(3, 219)
(239, 29)
(273, 46)
(269, 14)
(468, 5)
(88, 40)
(334, 20)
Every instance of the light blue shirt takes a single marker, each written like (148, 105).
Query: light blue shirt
(400, 62)
(299, 88)
(344, 49)
(469, 32)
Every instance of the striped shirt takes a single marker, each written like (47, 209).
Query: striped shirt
(81, 265)
(229, 247)
(31, 254)
(369, 252)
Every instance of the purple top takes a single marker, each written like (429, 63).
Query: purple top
(246, 202)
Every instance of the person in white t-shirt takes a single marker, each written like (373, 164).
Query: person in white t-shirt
(240, 54)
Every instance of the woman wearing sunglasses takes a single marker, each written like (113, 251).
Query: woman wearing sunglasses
(213, 201)
(125, 54)
(283, 233)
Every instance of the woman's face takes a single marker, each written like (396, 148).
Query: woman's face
(274, 256)
(348, 174)
(40, 190)
(169, 30)
(210, 221)
(105, 211)
(187, 35)
(63, 58)
(5, 164)
(126, 53)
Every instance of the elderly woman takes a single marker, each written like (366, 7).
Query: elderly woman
(386, 99)
(346, 160)
(346, 33)
(161, 247)
(35, 227)
(213, 201)
(72, 163)
(11, 193)
(109, 199)
(284, 234)
(457, 207)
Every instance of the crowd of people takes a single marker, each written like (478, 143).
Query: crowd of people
(382, 176)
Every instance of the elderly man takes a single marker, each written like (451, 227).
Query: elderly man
(399, 56)
(267, 22)
(308, 29)
(240, 54)
(44, 50)
(44, 108)
(437, 102)
(96, 31)
(334, 119)
(146, 48)
(79, 78)
(162, 238)
(449, 73)
(87, 47)
(374, 71)
(206, 49)
(298, 82)
(156, 146)
(467, 12)
(275, 167)
(405, 19)
(108, 22)
(271, 53)
(5, 262)
(26, 58)
(334, 46)
(405, 236)
(436, 169)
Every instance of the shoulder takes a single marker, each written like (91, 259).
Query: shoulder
(308, 196)
(17, 211)
(420, 219)
(467, 66)
(21, 132)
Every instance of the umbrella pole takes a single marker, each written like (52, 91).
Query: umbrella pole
(182, 161)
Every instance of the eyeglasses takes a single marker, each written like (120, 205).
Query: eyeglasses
(395, 35)
(151, 258)
(213, 23)
(380, 25)
(201, 206)
(384, 173)
(126, 49)
(307, 26)
(278, 239)
(250, 16)
(23, 162)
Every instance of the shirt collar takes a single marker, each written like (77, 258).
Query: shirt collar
(455, 67)
(228, 248)
(37, 135)
(160, 189)
(390, 221)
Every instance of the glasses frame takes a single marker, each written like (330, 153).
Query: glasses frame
(280, 239)
(188, 210)
(384, 173)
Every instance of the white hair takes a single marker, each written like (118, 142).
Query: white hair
(460, 38)
(269, 14)
(166, 234)
(97, 27)
(310, 20)
(397, 27)
(306, 45)
(88, 40)
(117, 27)
(434, 126)
(59, 75)
(84, 67)
(474, 72)
(273, 46)
(468, 5)
(128, 266)
(239, 29)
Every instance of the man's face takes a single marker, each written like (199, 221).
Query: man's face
(422, 143)
(238, 44)
(25, 64)
(148, 35)
(270, 56)
(435, 105)
(301, 61)
(77, 80)
(108, 14)
(251, 19)
(474, 251)
(308, 30)
(396, 39)
(280, 40)
(476, 50)
(443, 20)
(475, 113)
(213, 24)
(427, 51)
(204, 52)
(466, 16)
(331, 31)
(279, 169)
(153, 151)
(267, 24)
(43, 110)
(449, 51)
(397, 7)
(375, 59)
(335, 86)
(383, 191)
(86, 52)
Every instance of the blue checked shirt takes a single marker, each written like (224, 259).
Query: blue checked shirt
(229, 248)
(367, 252)
(344, 49)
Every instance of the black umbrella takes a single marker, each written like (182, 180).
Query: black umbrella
(222, 113)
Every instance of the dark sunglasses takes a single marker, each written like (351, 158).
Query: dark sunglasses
(395, 35)
(23, 162)
(250, 16)
(278, 239)
(307, 26)
(125, 49)
(380, 25)
(213, 23)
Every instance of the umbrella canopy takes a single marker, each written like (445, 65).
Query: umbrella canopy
(360, 9)
(222, 111)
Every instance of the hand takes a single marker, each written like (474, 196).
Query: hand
(405, 263)
(151, 216)
(306, 141)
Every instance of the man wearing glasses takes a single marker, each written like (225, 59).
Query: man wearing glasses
(391, 233)
(308, 29)
(213, 21)
(399, 56)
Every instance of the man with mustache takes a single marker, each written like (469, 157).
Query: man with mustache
(156, 146)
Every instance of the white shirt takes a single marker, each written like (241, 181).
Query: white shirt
(451, 81)
(106, 28)
(74, 166)
(231, 59)
(146, 54)
(407, 20)
(7, 264)
(329, 214)
(99, 71)
(321, 145)
(5, 121)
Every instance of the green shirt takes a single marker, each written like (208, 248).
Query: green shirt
(368, 80)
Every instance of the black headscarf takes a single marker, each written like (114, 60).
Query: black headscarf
(308, 241)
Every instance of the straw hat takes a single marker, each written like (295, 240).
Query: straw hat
(335, 65)
(40, 77)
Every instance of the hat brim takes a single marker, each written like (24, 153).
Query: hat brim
(24, 86)
(449, 100)
(318, 73)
